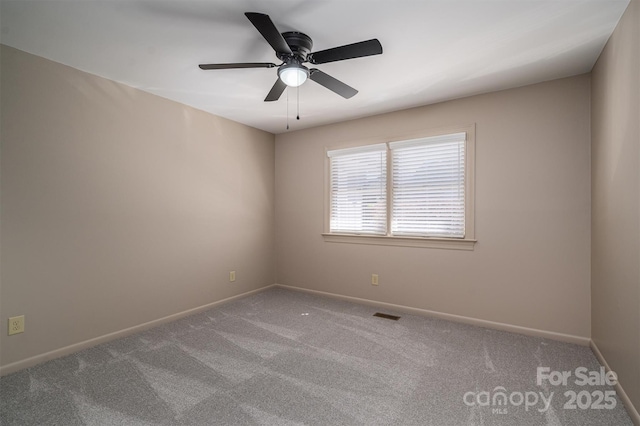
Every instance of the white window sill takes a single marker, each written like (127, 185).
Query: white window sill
(426, 242)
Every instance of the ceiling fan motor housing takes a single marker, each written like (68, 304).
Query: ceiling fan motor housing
(300, 45)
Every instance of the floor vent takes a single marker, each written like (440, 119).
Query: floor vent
(386, 316)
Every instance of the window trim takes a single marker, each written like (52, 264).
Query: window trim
(466, 243)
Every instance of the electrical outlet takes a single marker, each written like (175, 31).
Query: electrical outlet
(232, 276)
(374, 279)
(16, 325)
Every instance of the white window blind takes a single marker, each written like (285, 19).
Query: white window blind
(358, 186)
(429, 186)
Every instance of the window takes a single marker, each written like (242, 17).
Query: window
(428, 186)
(359, 190)
(415, 192)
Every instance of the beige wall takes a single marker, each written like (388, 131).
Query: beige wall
(120, 207)
(531, 265)
(615, 272)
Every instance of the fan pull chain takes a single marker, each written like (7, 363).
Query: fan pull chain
(287, 108)
(298, 102)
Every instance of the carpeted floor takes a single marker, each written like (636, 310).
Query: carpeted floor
(282, 357)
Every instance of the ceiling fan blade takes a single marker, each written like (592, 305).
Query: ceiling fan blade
(348, 51)
(236, 65)
(265, 26)
(331, 83)
(276, 91)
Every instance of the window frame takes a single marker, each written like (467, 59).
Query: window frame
(466, 243)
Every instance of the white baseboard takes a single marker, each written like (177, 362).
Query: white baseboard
(67, 350)
(631, 410)
(583, 341)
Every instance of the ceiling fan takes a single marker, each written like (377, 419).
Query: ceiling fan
(294, 49)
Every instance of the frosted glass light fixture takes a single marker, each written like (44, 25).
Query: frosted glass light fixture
(293, 75)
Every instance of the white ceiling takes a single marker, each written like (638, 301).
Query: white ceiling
(433, 50)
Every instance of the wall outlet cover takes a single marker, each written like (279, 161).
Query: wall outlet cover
(16, 325)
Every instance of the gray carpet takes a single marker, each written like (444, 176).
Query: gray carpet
(281, 357)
